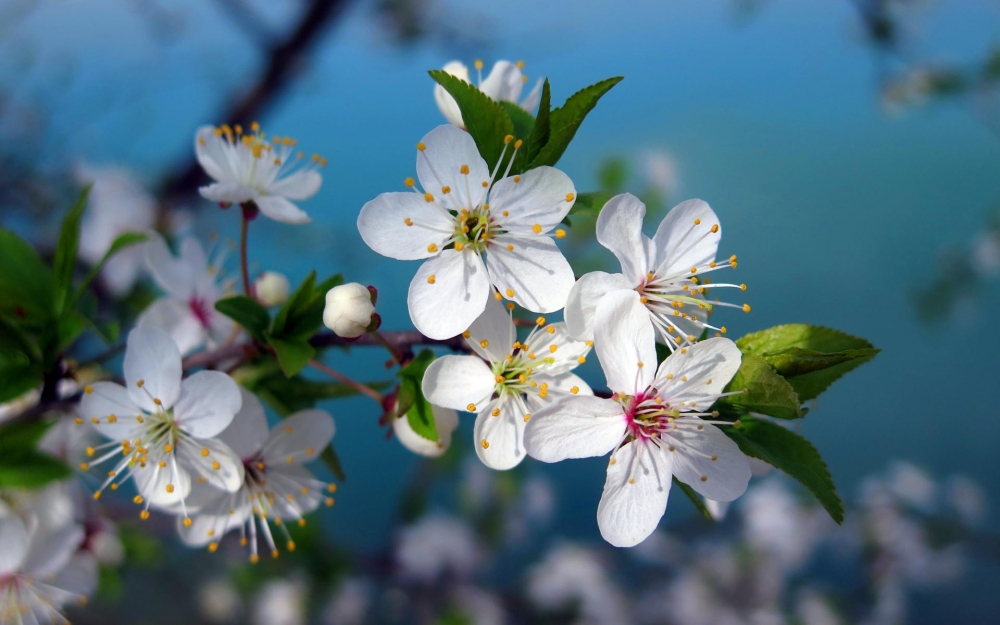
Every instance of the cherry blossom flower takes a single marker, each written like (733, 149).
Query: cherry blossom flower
(276, 486)
(162, 428)
(271, 288)
(504, 84)
(666, 270)
(192, 286)
(445, 422)
(461, 216)
(657, 425)
(251, 168)
(507, 380)
(349, 309)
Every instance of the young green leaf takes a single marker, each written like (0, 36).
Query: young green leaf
(486, 121)
(302, 314)
(332, 462)
(293, 355)
(801, 335)
(590, 203)
(411, 400)
(810, 373)
(539, 135)
(766, 391)
(21, 437)
(31, 470)
(26, 286)
(695, 498)
(522, 120)
(64, 262)
(20, 362)
(121, 242)
(565, 120)
(69, 327)
(786, 450)
(297, 302)
(247, 312)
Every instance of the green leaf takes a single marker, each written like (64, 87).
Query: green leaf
(810, 373)
(789, 452)
(21, 437)
(565, 120)
(804, 336)
(411, 400)
(486, 121)
(26, 287)
(302, 314)
(332, 462)
(64, 262)
(695, 498)
(293, 355)
(109, 331)
(247, 312)
(121, 242)
(522, 120)
(69, 328)
(20, 362)
(539, 134)
(288, 395)
(766, 391)
(31, 470)
(590, 203)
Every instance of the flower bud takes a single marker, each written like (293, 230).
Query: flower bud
(349, 310)
(271, 288)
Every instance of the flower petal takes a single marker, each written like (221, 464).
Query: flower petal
(280, 209)
(106, 399)
(504, 83)
(174, 317)
(291, 479)
(445, 421)
(212, 153)
(681, 243)
(494, 327)
(446, 103)
(708, 461)
(51, 550)
(556, 351)
(619, 228)
(457, 381)
(448, 293)
(700, 374)
(530, 101)
(14, 542)
(538, 197)
(383, 226)
(635, 494)
(213, 520)
(208, 402)
(300, 185)
(301, 437)
(79, 577)
(152, 481)
(174, 275)
(624, 340)
(500, 439)
(447, 152)
(586, 294)
(227, 192)
(575, 427)
(213, 460)
(152, 359)
(248, 431)
(535, 274)
(567, 382)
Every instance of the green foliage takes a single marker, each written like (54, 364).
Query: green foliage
(539, 135)
(293, 354)
(565, 120)
(522, 120)
(786, 450)
(247, 312)
(590, 203)
(486, 121)
(698, 502)
(26, 285)
(766, 391)
(21, 464)
(20, 362)
(64, 263)
(411, 400)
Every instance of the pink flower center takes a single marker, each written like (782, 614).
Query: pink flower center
(644, 415)
(201, 311)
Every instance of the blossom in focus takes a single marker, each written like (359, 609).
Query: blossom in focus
(349, 310)
(117, 204)
(475, 231)
(666, 270)
(445, 422)
(192, 285)
(657, 424)
(275, 484)
(163, 429)
(507, 380)
(504, 84)
(271, 288)
(251, 168)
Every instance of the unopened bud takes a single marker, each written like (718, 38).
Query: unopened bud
(271, 288)
(349, 310)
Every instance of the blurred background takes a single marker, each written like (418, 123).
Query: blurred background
(851, 149)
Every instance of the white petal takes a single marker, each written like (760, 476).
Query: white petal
(682, 244)
(446, 103)
(213, 460)
(504, 82)
(152, 482)
(567, 382)
(575, 427)
(174, 275)
(439, 165)
(541, 196)
(212, 520)
(248, 431)
(717, 509)
(208, 402)
(723, 479)
(586, 294)
(151, 357)
(280, 209)
(700, 374)
(500, 440)
(382, 224)
(79, 577)
(457, 381)
(494, 326)
(635, 494)
(445, 422)
(106, 399)
(623, 338)
(291, 479)
(51, 550)
(211, 151)
(619, 228)
(535, 274)
(556, 351)
(228, 192)
(13, 544)
(531, 100)
(454, 300)
(174, 317)
(300, 185)
(302, 437)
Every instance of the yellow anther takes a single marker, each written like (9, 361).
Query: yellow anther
(560, 233)
(471, 407)
(187, 522)
(464, 169)
(212, 547)
(331, 488)
(163, 464)
(432, 247)
(431, 279)
(170, 488)
(484, 444)
(254, 558)
(409, 182)
(215, 465)
(78, 421)
(510, 247)
(517, 179)
(508, 138)
(520, 65)
(168, 448)
(537, 228)
(570, 197)
(140, 383)
(446, 189)
(590, 343)
(408, 221)
(466, 334)
(459, 247)
(485, 184)
(144, 515)
(509, 292)
(643, 299)
(743, 287)
(500, 380)
(140, 419)
(421, 147)
(428, 197)
(722, 329)
(694, 270)
(112, 418)
(254, 127)
(290, 459)
(704, 478)
(238, 129)
(746, 308)
(581, 360)
(553, 348)
(495, 412)
(204, 452)
(518, 144)
(484, 343)
(497, 296)
(88, 389)
(575, 390)
(84, 466)
(328, 501)
(478, 64)
(715, 228)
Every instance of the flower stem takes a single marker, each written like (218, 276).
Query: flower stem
(358, 386)
(244, 231)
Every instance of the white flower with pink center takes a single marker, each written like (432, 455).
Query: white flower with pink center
(657, 425)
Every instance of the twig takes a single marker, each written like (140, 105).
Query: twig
(358, 386)
(244, 266)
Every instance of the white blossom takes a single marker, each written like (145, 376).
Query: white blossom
(657, 425)
(271, 288)
(463, 214)
(504, 84)
(507, 380)
(349, 310)
(445, 422)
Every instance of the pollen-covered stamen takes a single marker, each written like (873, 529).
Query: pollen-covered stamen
(262, 160)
